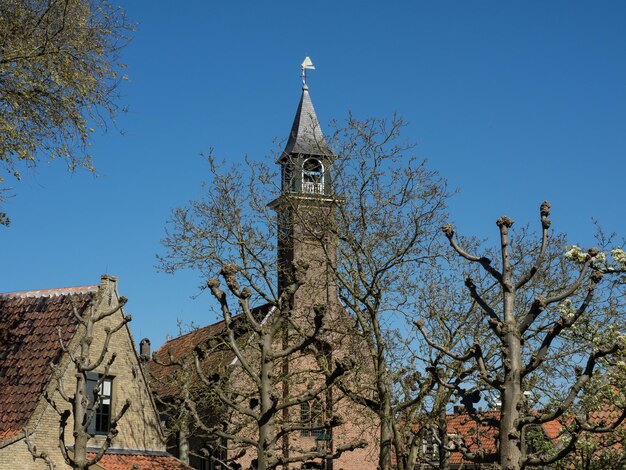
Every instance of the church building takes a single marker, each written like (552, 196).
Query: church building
(316, 426)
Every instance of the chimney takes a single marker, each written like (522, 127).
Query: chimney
(144, 350)
(108, 287)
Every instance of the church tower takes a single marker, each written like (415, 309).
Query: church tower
(306, 209)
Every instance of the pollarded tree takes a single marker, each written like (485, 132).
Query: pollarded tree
(59, 70)
(274, 379)
(453, 321)
(389, 209)
(558, 329)
(275, 350)
(81, 405)
(376, 230)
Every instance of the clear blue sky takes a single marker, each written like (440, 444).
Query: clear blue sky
(513, 102)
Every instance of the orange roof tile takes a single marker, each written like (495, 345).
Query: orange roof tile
(481, 436)
(134, 461)
(30, 325)
(163, 379)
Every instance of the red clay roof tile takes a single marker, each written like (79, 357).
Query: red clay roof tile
(163, 379)
(140, 462)
(480, 436)
(30, 325)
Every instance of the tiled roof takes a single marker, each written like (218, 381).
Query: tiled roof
(605, 416)
(476, 436)
(137, 461)
(553, 430)
(30, 325)
(51, 292)
(479, 436)
(163, 379)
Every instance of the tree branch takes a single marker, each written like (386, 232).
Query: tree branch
(37, 455)
(539, 354)
(545, 224)
(583, 378)
(540, 303)
(449, 231)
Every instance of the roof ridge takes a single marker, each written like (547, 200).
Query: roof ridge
(195, 330)
(210, 325)
(127, 451)
(52, 292)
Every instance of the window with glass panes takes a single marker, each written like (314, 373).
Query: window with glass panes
(311, 414)
(101, 421)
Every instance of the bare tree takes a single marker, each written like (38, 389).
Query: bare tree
(556, 327)
(376, 231)
(266, 362)
(390, 208)
(83, 405)
(278, 349)
(453, 322)
(58, 80)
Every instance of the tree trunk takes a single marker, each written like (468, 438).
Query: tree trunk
(183, 430)
(384, 459)
(510, 439)
(286, 391)
(183, 438)
(442, 429)
(81, 437)
(265, 445)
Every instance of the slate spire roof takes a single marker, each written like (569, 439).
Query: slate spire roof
(306, 136)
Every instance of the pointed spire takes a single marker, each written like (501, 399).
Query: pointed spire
(306, 136)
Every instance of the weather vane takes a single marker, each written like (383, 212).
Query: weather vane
(307, 64)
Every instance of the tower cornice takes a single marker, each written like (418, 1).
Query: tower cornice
(312, 199)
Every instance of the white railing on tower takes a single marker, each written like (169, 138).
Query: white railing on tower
(313, 188)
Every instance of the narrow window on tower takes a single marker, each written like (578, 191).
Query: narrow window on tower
(284, 220)
(312, 176)
(289, 180)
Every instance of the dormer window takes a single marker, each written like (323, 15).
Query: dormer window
(312, 176)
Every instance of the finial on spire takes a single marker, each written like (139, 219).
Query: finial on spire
(307, 64)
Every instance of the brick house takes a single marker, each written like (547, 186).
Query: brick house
(35, 328)
(306, 204)
(478, 435)
(604, 450)
(185, 439)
